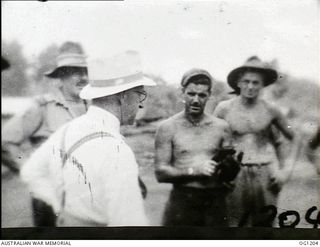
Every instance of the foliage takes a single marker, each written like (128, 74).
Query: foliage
(14, 80)
(46, 61)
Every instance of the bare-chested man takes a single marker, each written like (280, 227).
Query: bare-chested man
(250, 119)
(185, 145)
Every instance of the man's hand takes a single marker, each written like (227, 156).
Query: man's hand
(208, 168)
(278, 180)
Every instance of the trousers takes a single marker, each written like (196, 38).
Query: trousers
(43, 214)
(189, 206)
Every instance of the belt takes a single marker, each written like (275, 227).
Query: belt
(254, 164)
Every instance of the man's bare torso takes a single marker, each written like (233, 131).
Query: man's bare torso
(250, 128)
(192, 145)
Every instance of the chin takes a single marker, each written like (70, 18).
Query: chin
(196, 113)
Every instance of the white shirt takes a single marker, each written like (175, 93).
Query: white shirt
(100, 177)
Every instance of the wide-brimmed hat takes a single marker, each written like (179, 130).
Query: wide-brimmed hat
(70, 54)
(114, 75)
(195, 74)
(253, 64)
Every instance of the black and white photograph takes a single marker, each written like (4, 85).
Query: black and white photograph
(160, 119)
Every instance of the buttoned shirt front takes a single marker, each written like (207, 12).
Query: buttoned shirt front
(100, 178)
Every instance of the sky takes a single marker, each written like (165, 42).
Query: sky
(174, 36)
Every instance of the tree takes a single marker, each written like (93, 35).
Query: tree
(46, 61)
(14, 80)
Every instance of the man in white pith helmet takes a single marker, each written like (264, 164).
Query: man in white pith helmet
(93, 172)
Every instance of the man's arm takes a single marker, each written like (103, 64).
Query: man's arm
(165, 172)
(280, 121)
(289, 162)
(18, 130)
(219, 112)
(36, 173)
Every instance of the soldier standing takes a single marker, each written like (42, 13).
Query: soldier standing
(251, 120)
(185, 145)
(48, 113)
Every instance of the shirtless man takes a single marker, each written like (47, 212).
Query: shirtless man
(185, 145)
(250, 119)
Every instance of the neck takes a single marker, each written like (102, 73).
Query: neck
(248, 101)
(110, 105)
(70, 97)
(194, 119)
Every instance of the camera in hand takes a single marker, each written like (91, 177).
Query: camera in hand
(228, 164)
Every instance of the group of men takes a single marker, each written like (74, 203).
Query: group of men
(84, 174)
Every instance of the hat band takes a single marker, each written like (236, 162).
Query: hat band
(117, 81)
(76, 61)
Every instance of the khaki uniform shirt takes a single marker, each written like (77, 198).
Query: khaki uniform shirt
(34, 126)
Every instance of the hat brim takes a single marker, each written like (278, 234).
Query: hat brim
(270, 76)
(89, 92)
(54, 73)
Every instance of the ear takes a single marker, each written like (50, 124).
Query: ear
(238, 84)
(181, 94)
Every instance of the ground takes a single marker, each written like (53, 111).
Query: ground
(299, 194)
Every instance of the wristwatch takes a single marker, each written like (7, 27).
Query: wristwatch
(190, 171)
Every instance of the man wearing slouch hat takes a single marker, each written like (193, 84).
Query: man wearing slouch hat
(251, 120)
(47, 113)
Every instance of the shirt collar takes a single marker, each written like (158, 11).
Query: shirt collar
(106, 118)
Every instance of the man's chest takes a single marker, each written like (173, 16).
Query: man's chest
(196, 140)
(244, 121)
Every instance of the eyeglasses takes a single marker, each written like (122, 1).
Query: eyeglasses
(142, 95)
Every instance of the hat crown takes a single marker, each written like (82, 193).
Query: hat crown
(119, 66)
(70, 48)
(116, 74)
(70, 54)
(255, 62)
(194, 72)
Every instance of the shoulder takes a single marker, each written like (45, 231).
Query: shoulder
(218, 122)
(168, 127)
(272, 108)
(172, 122)
(223, 107)
(44, 99)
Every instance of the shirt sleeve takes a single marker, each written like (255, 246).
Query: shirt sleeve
(121, 189)
(21, 127)
(36, 174)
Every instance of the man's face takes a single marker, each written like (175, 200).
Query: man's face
(74, 80)
(250, 84)
(195, 97)
(131, 101)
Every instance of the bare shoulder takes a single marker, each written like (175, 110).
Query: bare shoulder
(272, 108)
(219, 123)
(168, 126)
(223, 107)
